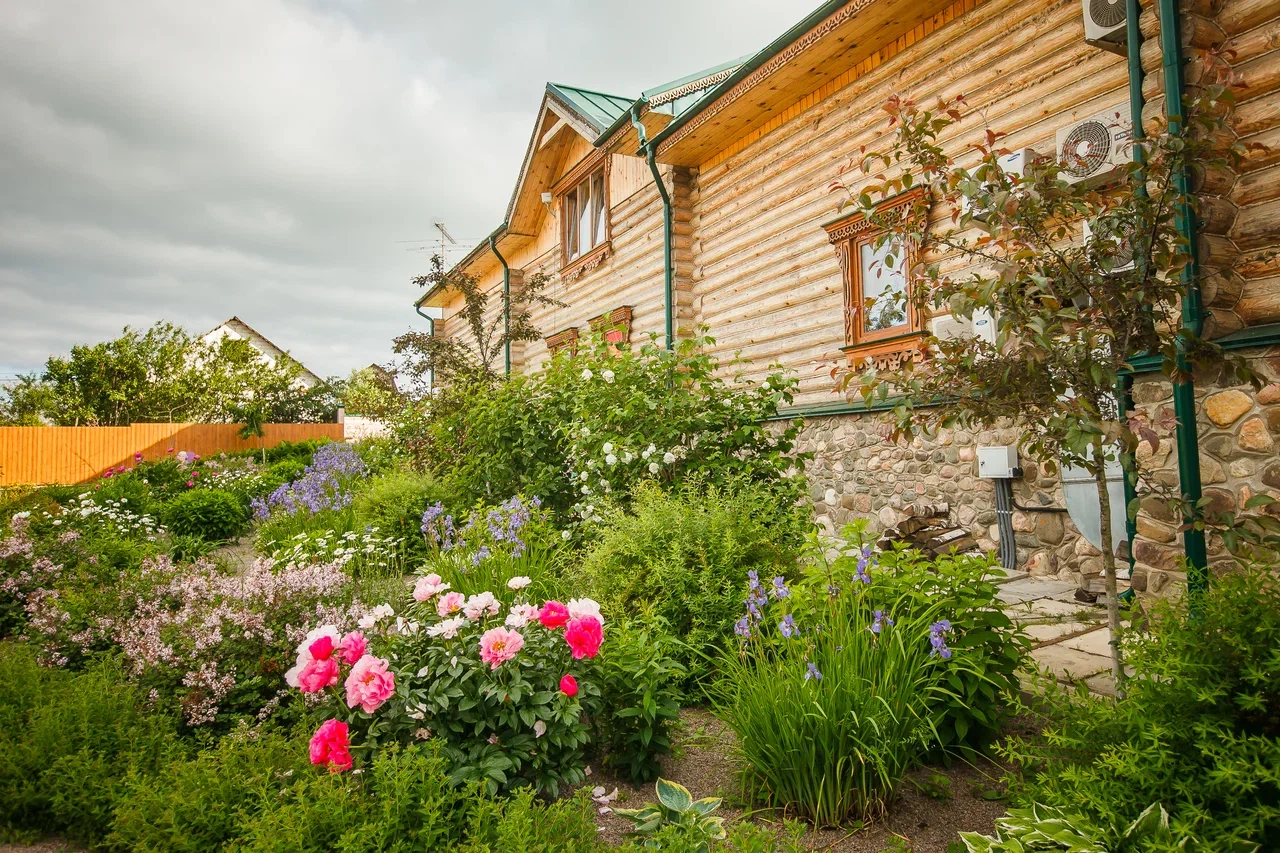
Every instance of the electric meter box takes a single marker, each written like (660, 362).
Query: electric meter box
(998, 463)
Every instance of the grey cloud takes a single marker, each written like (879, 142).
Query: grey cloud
(263, 158)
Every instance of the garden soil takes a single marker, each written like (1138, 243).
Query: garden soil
(936, 802)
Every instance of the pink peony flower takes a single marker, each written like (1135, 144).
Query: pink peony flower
(317, 674)
(584, 637)
(521, 615)
(569, 686)
(519, 582)
(426, 588)
(499, 645)
(353, 647)
(331, 746)
(447, 629)
(370, 684)
(553, 615)
(314, 639)
(478, 605)
(450, 602)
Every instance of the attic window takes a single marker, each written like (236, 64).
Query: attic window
(585, 209)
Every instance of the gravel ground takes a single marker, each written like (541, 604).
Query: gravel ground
(924, 823)
(49, 845)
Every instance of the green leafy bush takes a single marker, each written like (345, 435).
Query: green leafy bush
(685, 556)
(598, 422)
(394, 503)
(639, 701)
(70, 742)
(687, 820)
(1199, 731)
(1048, 829)
(213, 515)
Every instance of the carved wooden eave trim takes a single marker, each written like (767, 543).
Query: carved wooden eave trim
(892, 209)
(689, 88)
(584, 264)
(562, 339)
(888, 355)
(753, 79)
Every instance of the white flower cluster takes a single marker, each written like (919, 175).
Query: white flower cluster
(112, 516)
(363, 552)
(595, 469)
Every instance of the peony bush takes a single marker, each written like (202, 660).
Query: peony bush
(497, 680)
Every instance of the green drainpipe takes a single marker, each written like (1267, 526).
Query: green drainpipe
(506, 306)
(1125, 398)
(668, 271)
(431, 333)
(1184, 393)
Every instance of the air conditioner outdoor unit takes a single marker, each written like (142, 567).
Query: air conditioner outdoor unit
(1122, 258)
(981, 325)
(1093, 148)
(1105, 24)
(1013, 163)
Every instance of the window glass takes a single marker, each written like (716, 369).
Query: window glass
(584, 217)
(597, 208)
(884, 287)
(571, 232)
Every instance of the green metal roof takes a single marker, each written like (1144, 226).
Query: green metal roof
(596, 107)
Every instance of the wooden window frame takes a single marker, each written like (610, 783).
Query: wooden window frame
(885, 348)
(597, 163)
(614, 325)
(563, 339)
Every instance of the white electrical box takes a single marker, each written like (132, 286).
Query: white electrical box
(998, 463)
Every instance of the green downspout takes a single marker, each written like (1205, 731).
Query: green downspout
(1133, 43)
(431, 333)
(1184, 393)
(506, 306)
(668, 272)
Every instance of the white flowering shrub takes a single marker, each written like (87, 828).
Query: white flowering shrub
(361, 554)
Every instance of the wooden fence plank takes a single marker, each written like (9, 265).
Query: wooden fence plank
(41, 455)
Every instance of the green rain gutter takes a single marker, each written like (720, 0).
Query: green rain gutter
(506, 303)
(1184, 393)
(668, 273)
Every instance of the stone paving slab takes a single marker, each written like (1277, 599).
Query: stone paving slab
(1069, 664)
(1048, 610)
(1096, 642)
(1030, 589)
(1043, 632)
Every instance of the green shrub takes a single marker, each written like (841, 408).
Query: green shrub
(598, 422)
(686, 556)
(213, 515)
(639, 701)
(381, 455)
(129, 488)
(1047, 829)
(394, 503)
(1199, 732)
(70, 742)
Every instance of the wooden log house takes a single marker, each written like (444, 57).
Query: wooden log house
(745, 152)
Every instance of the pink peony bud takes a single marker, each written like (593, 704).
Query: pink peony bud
(569, 686)
(322, 648)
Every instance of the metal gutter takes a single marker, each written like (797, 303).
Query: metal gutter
(431, 333)
(1184, 394)
(668, 273)
(1124, 397)
(506, 305)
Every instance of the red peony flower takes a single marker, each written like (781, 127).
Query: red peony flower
(322, 648)
(584, 637)
(553, 615)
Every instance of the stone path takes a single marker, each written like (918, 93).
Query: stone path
(1071, 639)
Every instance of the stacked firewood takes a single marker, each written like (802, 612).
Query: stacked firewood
(928, 528)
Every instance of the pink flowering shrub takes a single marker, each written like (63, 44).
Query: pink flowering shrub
(497, 685)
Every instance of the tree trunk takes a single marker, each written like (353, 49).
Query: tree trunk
(1109, 566)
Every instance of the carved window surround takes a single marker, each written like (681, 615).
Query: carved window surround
(885, 347)
(564, 339)
(615, 325)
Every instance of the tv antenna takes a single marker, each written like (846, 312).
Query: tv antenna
(444, 236)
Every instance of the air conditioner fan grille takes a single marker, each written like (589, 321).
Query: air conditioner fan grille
(1107, 13)
(1086, 149)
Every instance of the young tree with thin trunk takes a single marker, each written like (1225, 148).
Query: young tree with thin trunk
(1070, 314)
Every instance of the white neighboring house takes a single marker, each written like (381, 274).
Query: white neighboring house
(238, 329)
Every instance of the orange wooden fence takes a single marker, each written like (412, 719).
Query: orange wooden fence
(40, 455)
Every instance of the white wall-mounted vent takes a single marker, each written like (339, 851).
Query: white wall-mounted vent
(1106, 24)
(1013, 163)
(981, 325)
(1093, 148)
(1120, 254)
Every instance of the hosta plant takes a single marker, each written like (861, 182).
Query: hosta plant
(1044, 828)
(695, 820)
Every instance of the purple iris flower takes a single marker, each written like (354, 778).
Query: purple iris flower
(787, 627)
(780, 590)
(812, 672)
(937, 639)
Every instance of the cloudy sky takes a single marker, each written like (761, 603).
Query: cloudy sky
(284, 160)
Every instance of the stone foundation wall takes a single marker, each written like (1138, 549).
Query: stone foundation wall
(857, 473)
(1239, 432)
